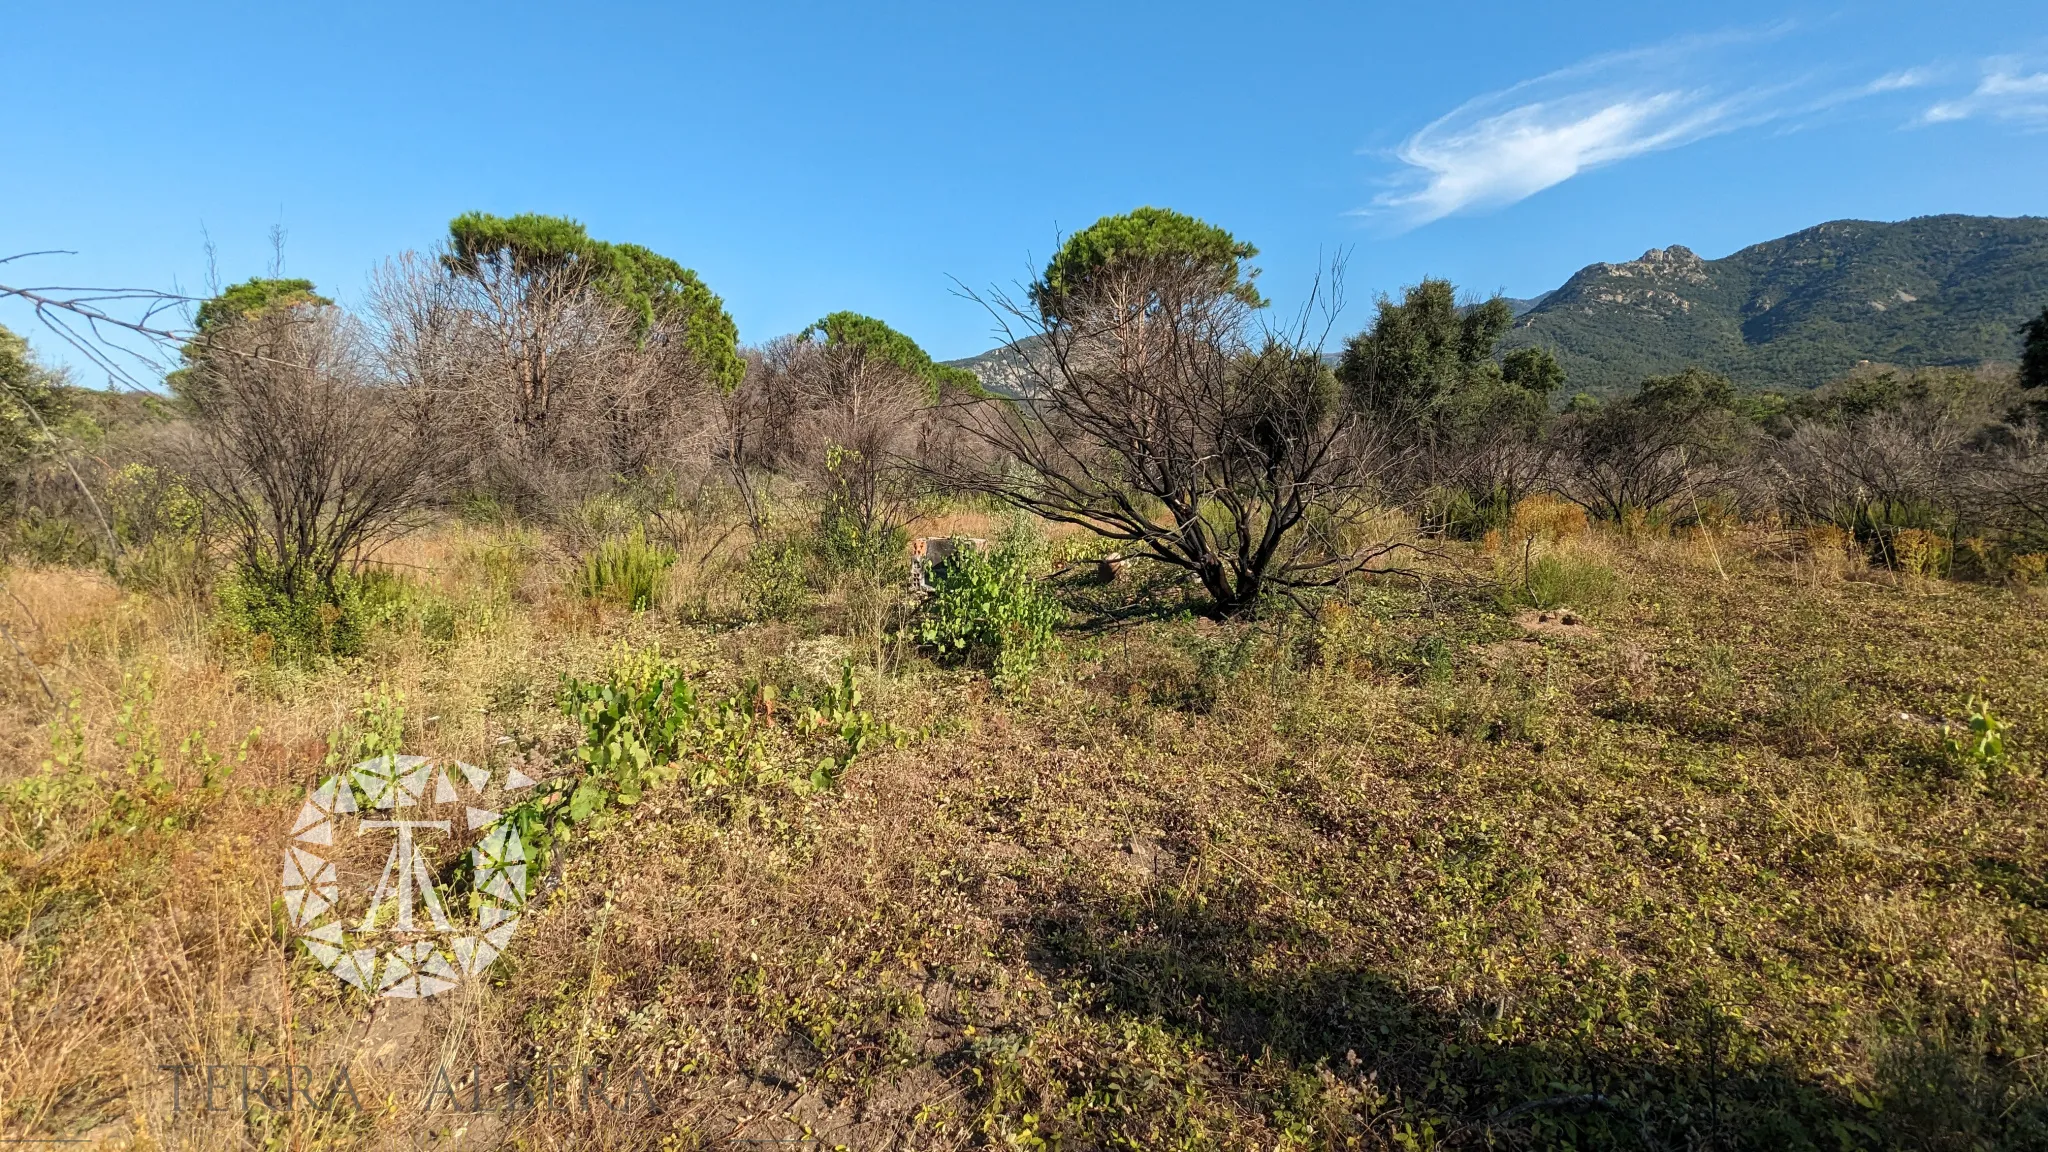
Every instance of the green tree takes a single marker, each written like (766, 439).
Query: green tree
(31, 399)
(1533, 370)
(1473, 426)
(1423, 355)
(878, 340)
(253, 296)
(1155, 243)
(553, 258)
(666, 296)
(239, 302)
(1164, 416)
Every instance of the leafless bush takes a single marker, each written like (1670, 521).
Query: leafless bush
(304, 450)
(858, 422)
(1883, 465)
(1162, 416)
(554, 390)
(746, 424)
(2012, 486)
(1676, 436)
(1889, 449)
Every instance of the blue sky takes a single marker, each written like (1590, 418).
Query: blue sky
(808, 158)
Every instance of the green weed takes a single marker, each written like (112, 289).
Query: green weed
(1978, 744)
(987, 608)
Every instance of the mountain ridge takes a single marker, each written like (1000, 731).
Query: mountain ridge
(1801, 309)
(1789, 313)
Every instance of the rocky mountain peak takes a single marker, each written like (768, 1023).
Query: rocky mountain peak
(1676, 263)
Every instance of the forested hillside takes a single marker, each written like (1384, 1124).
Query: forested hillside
(1802, 309)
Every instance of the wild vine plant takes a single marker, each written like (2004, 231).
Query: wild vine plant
(645, 724)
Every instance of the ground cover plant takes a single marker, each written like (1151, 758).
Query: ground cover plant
(1744, 861)
(1386, 758)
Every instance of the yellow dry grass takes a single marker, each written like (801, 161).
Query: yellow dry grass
(1304, 883)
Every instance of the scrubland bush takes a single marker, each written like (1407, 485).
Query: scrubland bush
(1370, 866)
(774, 581)
(1165, 417)
(161, 524)
(307, 459)
(988, 608)
(294, 619)
(43, 537)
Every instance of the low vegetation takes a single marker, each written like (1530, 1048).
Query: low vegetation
(1394, 757)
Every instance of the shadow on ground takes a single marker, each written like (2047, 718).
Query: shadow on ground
(1423, 1069)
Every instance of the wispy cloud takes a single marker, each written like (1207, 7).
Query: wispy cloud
(1900, 81)
(1497, 159)
(1511, 144)
(2006, 92)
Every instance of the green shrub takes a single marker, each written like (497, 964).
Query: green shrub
(482, 509)
(774, 585)
(160, 523)
(45, 537)
(987, 609)
(393, 600)
(645, 724)
(1465, 515)
(848, 543)
(295, 621)
(626, 570)
(437, 621)
(1219, 660)
(857, 529)
(848, 729)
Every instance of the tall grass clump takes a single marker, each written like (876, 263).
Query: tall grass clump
(625, 570)
(1540, 562)
(1564, 580)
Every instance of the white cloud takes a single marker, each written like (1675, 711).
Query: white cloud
(2005, 93)
(1899, 81)
(1512, 154)
(1509, 145)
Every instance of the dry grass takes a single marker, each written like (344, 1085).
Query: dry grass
(1398, 876)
